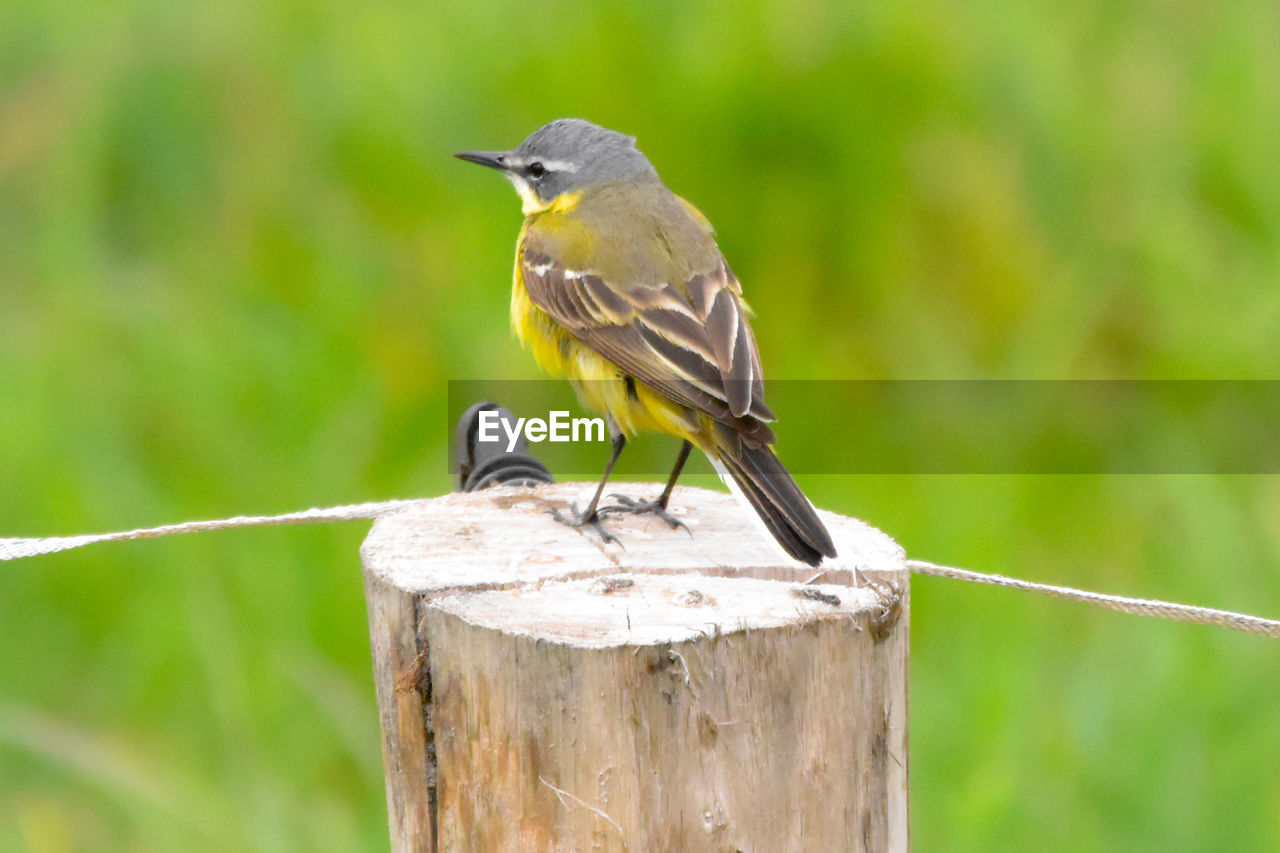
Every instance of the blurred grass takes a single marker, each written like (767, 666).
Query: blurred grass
(238, 268)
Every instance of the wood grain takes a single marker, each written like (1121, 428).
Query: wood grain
(541, 691)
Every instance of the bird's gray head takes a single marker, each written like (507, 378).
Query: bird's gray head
(565, 156)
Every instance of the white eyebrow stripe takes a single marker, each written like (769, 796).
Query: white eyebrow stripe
(560, 166)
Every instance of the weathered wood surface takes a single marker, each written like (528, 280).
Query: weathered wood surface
(542, 691)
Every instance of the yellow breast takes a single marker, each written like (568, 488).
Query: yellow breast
(601, 386)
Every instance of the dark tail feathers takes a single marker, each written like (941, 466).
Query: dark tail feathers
(776, 498)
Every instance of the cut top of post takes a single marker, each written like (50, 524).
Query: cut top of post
(503, 537)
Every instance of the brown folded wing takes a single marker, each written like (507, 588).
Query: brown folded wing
(691, 343)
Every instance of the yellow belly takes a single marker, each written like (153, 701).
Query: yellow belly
(601, 386)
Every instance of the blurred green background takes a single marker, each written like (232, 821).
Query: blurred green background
(238, 267)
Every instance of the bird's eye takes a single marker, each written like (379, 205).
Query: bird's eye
(536, 170)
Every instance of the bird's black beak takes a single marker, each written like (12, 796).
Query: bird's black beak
(492, 159)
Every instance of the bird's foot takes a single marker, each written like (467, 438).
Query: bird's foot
(639, 507)
(577, 519)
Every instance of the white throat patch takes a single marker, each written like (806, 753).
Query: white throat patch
(529, 201)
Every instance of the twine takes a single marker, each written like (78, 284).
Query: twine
(1139, 606)
(16, 549)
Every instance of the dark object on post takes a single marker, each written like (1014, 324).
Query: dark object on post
(483, 464)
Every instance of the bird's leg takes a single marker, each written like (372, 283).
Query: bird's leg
(681, 458)
(657, 506)
(591, 515)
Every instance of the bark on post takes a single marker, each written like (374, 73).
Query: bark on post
(540, 691)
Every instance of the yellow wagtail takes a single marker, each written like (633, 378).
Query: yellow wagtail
(620, 286)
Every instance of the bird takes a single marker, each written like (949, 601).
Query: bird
(621, 287)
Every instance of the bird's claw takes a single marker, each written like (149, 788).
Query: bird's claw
(577, 519)
(640, 507)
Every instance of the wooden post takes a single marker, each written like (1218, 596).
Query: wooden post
(541, 691)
